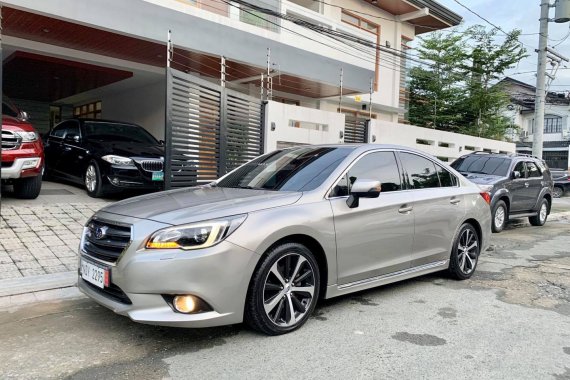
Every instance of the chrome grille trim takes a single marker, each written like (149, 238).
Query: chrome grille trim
(110, 247)
(10, 140)
(152, 165)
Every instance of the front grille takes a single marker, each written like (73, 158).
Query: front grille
(106, 241)
(10, 140)
(7, 164)
(152, 165)
(113, 292)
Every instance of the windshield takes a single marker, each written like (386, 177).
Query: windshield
(481, 164)
(118, 132)
(298, 169)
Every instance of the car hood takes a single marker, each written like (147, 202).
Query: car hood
(200, 203)
(10, 123)
(128, 149)
(483, 179)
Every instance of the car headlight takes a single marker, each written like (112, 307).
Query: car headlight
(118, 160)
(27, 136)
(195, 235)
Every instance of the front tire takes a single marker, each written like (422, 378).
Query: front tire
(500, 216)
(283, 291)
(93, 181)
(540, 218)
(28, 188)
(465, 253)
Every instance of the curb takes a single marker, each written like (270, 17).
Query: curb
(16, 286)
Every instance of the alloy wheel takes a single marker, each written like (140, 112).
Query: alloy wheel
(91, 178)
(543, 212)
(499, 217)
(467, 251)
(288, 290)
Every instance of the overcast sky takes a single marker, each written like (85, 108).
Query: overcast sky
(519, 14)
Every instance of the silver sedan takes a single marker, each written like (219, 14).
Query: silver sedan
(266, 241)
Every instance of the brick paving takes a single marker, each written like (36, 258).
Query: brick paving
(43, 239)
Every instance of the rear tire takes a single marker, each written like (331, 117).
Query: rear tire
(500, 216)
(557, 192)
(283, 291)
(28, 188)
(93, 181)
(540, 218)
(465, 253)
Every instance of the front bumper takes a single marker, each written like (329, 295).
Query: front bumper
(131, 178)
(22, 167)
(219, 275)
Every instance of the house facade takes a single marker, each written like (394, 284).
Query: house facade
(106, 58)
(556, 133)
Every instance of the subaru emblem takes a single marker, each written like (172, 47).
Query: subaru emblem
(101, 232)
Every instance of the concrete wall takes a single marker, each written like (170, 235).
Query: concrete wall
(445, 145)
(37, 111)
(144, 106)
(299, 125)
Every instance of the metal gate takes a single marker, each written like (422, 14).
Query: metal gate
(556, 159)
(355, 128)
(210, 130)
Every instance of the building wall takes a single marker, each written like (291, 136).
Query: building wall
(37, 111)
(144, 106)
(447, 146)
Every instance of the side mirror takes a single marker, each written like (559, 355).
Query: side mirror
(161, 142)
(516, 174)
(23, 116)
(363, 188)
(71, 137)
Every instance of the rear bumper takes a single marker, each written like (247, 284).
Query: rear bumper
(22, 167)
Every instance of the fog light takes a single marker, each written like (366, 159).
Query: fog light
(115, 181)
(185, 304)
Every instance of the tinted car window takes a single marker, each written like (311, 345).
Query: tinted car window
(299, 169)
(421, 171)
(60, 130)
(521, 167)
(105, 131)
(533, 171)
(446, 179)
(379, 166)
(482, 164)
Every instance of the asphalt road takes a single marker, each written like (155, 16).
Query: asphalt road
(510, 321)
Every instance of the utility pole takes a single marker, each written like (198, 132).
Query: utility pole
(562, 15)
(540, 96)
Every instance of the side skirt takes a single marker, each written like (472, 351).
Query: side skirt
(339, 290)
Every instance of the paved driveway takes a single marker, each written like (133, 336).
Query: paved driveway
(510, 321)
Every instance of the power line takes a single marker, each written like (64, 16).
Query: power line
(489, 22)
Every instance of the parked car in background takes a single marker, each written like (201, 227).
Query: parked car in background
(22, 152)
(561, 180)
(520, 185)
(266, 241)
(105, 156)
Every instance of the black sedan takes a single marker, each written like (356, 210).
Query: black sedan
(105, 156)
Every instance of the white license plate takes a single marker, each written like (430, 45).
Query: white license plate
(157, 176)
(94, 274)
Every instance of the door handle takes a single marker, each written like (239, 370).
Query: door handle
(526, 184)
(405, 209)
(454, 201)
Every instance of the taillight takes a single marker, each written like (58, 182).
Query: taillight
(486, 196)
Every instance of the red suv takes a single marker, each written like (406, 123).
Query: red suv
(22, 153)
